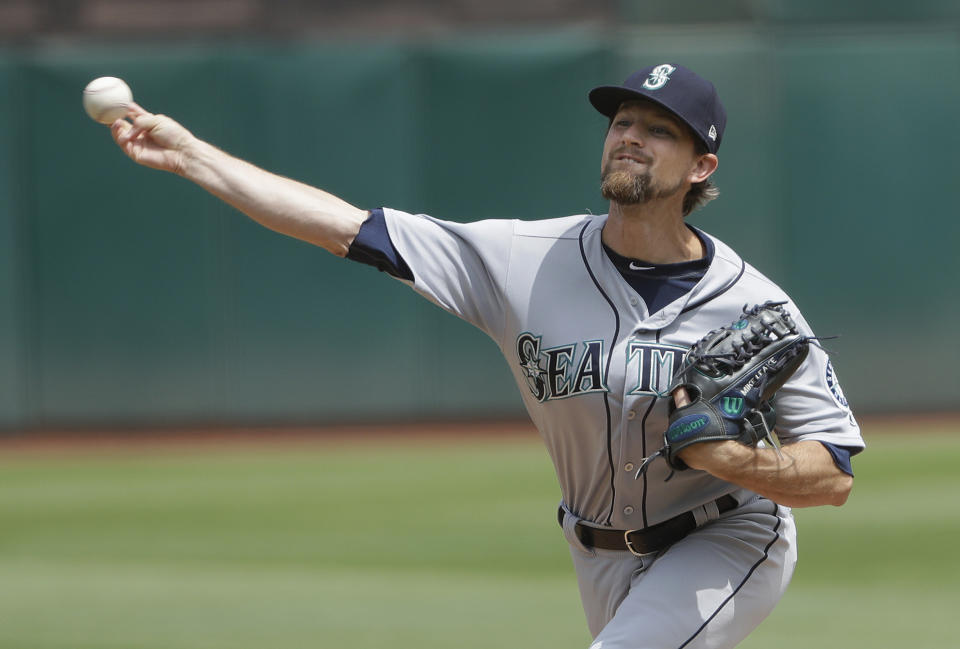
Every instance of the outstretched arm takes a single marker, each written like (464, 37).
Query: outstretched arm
(279, 203)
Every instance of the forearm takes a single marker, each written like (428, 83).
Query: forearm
(281, 204)
(805, 476)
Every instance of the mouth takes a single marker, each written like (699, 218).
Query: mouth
(631, 158)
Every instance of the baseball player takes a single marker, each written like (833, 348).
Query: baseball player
(593, 315)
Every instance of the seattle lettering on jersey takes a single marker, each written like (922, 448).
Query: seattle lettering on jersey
(653, 365)
(577, 368)
(557, 372)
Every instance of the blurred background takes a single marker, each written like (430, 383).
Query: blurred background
(132, 301)
(128, 297)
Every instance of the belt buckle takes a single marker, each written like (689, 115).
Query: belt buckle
(626, 539)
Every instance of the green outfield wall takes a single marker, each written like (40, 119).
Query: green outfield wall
(130, 297)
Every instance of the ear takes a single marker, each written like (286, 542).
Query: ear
(704, 167)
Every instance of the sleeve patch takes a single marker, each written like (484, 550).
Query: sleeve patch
(835, 390)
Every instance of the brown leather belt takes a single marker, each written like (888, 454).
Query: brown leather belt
(649, 539)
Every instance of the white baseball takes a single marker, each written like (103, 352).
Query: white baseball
(106, 99)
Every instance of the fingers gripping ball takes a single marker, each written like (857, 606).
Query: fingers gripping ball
(730, 375)
(107, 99)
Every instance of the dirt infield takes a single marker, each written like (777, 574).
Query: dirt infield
(431, 432)
(218, 437)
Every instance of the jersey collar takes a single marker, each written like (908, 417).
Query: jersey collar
(725, 270)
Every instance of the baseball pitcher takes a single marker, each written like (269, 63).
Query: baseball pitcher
(682, 397)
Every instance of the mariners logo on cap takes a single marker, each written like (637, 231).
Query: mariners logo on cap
(659, 77)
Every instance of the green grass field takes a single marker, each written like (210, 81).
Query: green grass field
(421, 545)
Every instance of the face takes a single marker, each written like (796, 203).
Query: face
(648, 154)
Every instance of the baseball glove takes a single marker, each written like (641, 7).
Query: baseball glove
(730, 376)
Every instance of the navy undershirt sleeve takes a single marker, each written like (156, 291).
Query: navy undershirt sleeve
(841, 456)
(372, 246)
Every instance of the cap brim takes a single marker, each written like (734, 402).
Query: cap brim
(607, 99)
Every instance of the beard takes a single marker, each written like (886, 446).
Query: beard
(625, 188)
(628, 188)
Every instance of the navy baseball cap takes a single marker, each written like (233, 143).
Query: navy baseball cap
(681, 91)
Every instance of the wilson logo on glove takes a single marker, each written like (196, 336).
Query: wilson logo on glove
(733, 406)
(685, 426)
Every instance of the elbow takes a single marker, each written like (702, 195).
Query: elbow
(842, 490)
(338, 249)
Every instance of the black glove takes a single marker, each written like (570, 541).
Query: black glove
(730, 375)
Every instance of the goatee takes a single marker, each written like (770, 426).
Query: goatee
(625, 188)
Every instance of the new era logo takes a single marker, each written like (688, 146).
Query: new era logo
(713, 132)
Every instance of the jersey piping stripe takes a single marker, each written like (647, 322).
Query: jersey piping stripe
(643, 449)
(690, 307)
(606, 374)
(766, 555)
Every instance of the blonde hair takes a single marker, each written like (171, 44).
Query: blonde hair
(703, 192)
(699, 195)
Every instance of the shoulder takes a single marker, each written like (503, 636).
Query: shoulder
(750, 282)
(427, 228)
(559, 227)
(565, 227)
(544, 230)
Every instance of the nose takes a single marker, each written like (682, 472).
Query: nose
(633, 136)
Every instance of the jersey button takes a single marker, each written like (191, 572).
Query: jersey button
(631, 414)
(628, 466)
(633, 301)
(628, 510)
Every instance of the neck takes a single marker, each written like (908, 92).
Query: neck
(654, 232)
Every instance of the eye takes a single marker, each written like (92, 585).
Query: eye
(662, 131)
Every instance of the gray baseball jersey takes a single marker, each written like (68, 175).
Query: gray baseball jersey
(593, 367)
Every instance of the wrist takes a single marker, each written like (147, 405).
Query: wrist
(196, 156)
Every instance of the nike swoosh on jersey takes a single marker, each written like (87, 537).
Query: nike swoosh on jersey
(633, 266)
